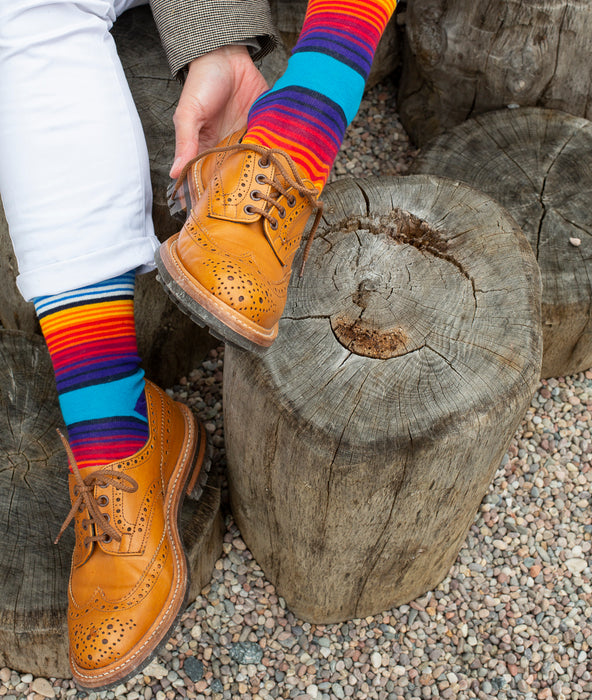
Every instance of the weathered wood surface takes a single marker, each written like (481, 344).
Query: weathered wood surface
(361, 443)
(34, 502)
(464, 58)
(538, 164)
(288, 16)
(170, 344)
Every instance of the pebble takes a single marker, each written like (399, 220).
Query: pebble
(43, 687)
(246, 652)
(193, 668)
(512, 619)
(576, 565)
(216, 686)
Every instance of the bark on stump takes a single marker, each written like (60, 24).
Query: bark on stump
(537, 164)
(361, 444)
(288, 16)
(169, 343)
(463, 58)
(34, 502)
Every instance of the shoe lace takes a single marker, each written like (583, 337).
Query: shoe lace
(84, 496)
(290, 175)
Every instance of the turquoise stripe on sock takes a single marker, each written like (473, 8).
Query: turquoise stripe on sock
(326, 75)
(103, 400)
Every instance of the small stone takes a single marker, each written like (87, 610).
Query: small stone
(27, 678)
(576, 241)
(42, 686)
(576, 565)
(194, 668)
(5, 675)
(376, 660)
(216, 686)
(246, 652)
(535, 570)
(154, 670)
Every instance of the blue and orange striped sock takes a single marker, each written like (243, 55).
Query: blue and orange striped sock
(91, 337)
(308, 109)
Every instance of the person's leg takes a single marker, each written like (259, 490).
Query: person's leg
(75, 183)
(230, 265)
(91, 338)
(74, 173)
(308, 109)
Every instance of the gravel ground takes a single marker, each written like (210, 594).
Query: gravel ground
(513, 619)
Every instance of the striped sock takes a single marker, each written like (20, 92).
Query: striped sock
(308, 109)
(91, 338)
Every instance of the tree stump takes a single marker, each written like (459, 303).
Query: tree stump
(536, 163)
(464, 58)
(361, 443)
(288, 17)
(34, 502)
(169, 343)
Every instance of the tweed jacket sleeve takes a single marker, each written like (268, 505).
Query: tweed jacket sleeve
(191, 28)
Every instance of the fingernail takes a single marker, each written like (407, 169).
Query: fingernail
(175, 165)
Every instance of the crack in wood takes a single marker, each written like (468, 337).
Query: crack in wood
(542, 193)
(357, 400)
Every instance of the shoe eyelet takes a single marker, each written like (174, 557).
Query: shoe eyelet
(282, 212)
(291, 201)
(273, 224)
(260, 179)
(255, 194)
(263, 163)
(107, 538)
(248, 209)
(107, 516)
(103, 500)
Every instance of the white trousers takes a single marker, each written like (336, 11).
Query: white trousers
(74, 173)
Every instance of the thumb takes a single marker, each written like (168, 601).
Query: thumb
(187, 127)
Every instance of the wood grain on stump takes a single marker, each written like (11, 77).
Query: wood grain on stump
(538, 164)
(169, 343)
(464, 58)
(33, 504)
(361, 443)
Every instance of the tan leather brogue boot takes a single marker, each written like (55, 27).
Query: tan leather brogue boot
(230, 265)
(129, 575)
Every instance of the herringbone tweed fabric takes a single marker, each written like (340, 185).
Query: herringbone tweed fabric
(190, 28)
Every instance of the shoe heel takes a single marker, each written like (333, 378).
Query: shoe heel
(200, 474)
(177, 199)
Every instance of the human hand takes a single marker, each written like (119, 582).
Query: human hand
(220, 88)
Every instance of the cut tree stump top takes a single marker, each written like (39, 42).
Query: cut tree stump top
(537, 163)
(465, 57)
(436, 307)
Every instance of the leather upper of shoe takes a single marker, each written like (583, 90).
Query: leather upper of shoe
(251, 207)
(124, 563)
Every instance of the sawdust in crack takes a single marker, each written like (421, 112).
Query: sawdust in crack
(363, 339)
(403, 227)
